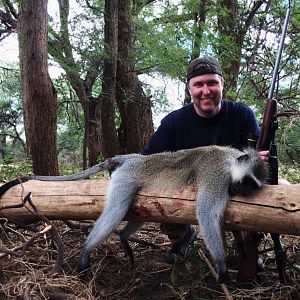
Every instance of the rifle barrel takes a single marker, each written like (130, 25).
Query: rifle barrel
(279, 52)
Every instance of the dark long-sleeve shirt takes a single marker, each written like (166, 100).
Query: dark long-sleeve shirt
(185, 129)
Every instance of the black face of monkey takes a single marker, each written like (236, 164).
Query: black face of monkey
(244, 188)
(251, 172)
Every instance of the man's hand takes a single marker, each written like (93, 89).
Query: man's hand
(264, 155)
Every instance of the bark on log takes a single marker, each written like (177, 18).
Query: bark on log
(273, 209)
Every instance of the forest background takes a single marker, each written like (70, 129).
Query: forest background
(93, 80)
(119, 72)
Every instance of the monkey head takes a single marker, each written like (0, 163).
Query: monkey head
(248, 173)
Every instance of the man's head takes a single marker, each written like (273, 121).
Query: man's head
(203, 65)
(205, 84)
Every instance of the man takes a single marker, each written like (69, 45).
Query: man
(208, 120)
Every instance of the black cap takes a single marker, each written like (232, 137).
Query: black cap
(203, 65)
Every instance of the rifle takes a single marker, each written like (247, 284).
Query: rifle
(266, 141)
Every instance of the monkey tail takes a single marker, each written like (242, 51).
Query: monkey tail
(6, 186)
(210, 211)
(108, 164)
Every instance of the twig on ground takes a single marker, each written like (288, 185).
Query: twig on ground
(54, 233)
(223, 286)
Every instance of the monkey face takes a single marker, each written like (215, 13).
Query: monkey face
(244, 188)
(206, 92)
(248, 172)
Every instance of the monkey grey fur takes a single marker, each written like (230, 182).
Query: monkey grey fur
(216, 171)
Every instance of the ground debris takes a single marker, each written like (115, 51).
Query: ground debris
(29, 277)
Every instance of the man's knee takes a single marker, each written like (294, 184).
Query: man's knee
(175, 232)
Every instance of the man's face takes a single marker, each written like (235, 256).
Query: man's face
(206, 93)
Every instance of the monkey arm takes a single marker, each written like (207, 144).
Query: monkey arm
(210, 207)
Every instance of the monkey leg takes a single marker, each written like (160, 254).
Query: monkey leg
(118, 200)
(129, 229)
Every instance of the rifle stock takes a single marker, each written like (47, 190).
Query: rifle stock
(268, 127)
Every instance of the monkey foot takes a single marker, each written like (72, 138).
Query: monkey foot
(179, 251)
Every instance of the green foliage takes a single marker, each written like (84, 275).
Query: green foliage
(10, 101)
(69, 169)
(288, 137)
(69, 145)
(290, 172)
(165, 33)
(10, 115)
(70, 123)
(161, 103)
(10, 170)
(12, 151)
(85, 34)
(160, 44)
(12, 144)
(186, 269)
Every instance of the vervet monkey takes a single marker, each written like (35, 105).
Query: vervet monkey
(216, 171)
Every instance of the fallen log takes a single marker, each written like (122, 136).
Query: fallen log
(273, 209)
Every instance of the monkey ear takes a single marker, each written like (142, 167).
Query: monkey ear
(243, 158)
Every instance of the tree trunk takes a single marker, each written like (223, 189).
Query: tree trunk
(93, 131)
(228, 50)
(274, 209)
(135, 109)
(38, 93)
(232, 27)
(109, 138)
(199, 23)
(3, 146)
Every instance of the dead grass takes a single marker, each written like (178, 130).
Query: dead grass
(28, 277)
